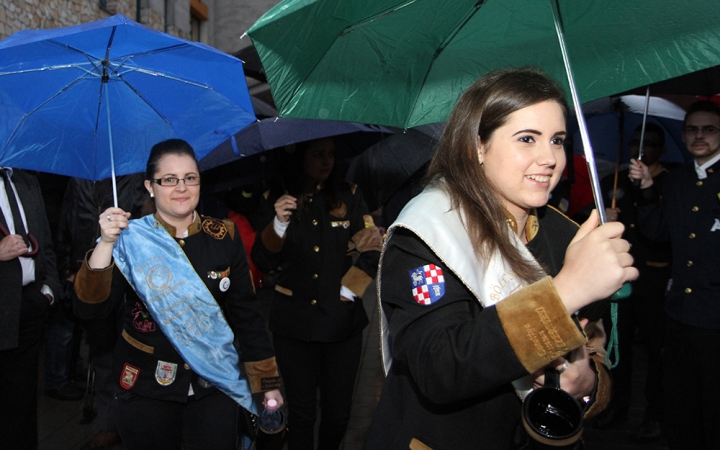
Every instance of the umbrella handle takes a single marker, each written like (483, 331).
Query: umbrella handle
(33, 242)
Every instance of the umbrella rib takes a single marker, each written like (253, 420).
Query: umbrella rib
(369, 20)
(162, 75)
(141, 97)
(57, 67)
(29, 113)
(444, 45)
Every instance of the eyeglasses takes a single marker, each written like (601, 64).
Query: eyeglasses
(708, 130)
(192, 180)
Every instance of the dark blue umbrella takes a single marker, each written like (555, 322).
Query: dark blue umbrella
(91, 100)
(253, 155)
(275, 132)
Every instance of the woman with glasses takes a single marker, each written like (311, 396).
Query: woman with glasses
(184, 282)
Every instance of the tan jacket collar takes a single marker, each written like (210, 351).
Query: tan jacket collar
(531, 227)
(194, 227)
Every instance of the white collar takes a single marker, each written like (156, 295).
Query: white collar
(701, 170)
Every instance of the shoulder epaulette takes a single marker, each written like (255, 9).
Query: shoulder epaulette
(218, 228)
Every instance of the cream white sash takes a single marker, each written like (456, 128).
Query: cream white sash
(431, 217)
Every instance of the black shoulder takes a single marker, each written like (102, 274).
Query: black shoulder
(551, 215)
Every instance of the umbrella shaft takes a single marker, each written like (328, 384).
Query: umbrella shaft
(587, 147)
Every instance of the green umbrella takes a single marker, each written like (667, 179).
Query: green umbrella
(405, 62)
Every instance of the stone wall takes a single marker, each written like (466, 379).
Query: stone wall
(228, 19)
(17, 15)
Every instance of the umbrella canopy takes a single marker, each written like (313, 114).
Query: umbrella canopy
(276, 132)
(406, 62)
(704, 82)
(71, 97)
(605, 121)
(381, 169)
(252, 155)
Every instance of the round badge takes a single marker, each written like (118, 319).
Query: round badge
(225, 284)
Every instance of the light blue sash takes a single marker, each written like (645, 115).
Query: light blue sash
(178, 300)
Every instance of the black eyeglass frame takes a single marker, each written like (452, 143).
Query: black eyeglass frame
(159, 181)
(707, 130)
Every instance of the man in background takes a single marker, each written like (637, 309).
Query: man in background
(28, 278)
(687, 213)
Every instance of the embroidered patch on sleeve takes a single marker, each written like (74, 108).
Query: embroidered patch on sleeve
(165, 373)
(129, 376)
(428, 284)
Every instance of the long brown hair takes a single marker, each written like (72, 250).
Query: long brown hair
(455, 168)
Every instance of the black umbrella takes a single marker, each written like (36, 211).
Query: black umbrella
(381, 169)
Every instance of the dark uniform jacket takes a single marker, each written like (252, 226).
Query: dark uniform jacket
(315, 257)
(687, 212)
(449, 386)
(11, 277)
(643, 249)
(82, 203)
(213, 247)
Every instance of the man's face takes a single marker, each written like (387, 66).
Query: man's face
(652, 149)
(702, 135)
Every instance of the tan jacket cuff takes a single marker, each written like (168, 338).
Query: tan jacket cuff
(538, 326)
(270, 239)
(262, 375)
(356, 280)
(601, 397)
(93, 285)
(368, 238)
(596, 350)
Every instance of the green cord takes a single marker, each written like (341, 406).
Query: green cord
(613, 343)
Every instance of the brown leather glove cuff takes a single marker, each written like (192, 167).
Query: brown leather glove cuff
(93, 285)
(262, 375)
(270, 239)
(538, 326)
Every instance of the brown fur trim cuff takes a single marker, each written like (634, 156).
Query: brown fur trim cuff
(262, 375)
(603, 387)
(368, 239)
(356, 280)
(271, 240)
(93, 285)
(538, 326)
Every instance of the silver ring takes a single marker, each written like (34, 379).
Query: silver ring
(564, 367)
(108, 217)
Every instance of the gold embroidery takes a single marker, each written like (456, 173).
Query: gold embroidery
(215, 228)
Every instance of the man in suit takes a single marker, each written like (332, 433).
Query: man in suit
(28, 278)
(686, 212)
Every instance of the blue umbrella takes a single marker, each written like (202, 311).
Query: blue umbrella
(90, 101)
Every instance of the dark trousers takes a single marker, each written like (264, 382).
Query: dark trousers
(692, 393)
(643, 311)
(307, 367)
(150, 424)
(19, 375)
